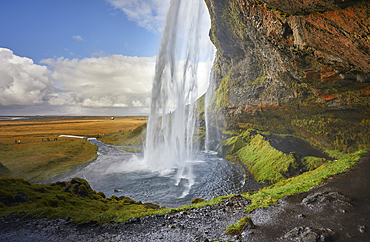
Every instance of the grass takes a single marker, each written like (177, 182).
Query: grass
(134, 137)
(304, 182)
(267, 164)
(313, 162)
(264, 162)
(35, 159)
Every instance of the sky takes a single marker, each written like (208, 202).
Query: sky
(80, 57)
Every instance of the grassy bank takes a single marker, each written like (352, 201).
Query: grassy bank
(272, 166)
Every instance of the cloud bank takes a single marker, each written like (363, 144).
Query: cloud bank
(105, 82)
(108, 85)
(149, 14)
(21, 81)
(76, 85)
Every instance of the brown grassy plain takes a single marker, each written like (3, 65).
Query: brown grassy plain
(35, 159)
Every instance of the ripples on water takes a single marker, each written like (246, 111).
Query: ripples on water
(121, 173)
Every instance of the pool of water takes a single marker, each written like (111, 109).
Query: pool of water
(120, 173)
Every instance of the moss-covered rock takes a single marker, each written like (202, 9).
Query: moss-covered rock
(197, 200)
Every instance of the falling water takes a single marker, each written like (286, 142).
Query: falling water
(171, 173)
(172, 119)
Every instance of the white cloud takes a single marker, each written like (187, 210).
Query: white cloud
(97, 85)
(78, 38)
(57, 101)
(104, 82)
(149, 14)
(21, 81)
(137, 103)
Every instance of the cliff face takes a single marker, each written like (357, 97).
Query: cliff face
(294, 67)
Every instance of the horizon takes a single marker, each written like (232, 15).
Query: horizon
(82, 58)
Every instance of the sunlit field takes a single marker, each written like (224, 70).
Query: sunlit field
(32, 150)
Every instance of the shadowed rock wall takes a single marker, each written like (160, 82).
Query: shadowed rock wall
(294, 67)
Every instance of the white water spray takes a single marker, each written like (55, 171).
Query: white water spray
(169, 139)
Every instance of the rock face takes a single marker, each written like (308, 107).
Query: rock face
(292, 66)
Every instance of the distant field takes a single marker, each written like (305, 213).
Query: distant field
(36, 159)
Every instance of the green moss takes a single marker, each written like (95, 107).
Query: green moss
(76, 200)
(197, 200)
(238, 227)
(220, 100)
(304, 182)
(313, 162)
(265, 162)
(258, 80)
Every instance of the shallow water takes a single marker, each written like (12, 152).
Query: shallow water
(121, 173)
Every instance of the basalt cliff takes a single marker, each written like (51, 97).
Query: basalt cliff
(294, 67)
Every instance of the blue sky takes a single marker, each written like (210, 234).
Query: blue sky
(42, 29)
(81, 57)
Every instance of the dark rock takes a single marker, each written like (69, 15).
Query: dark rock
(21, 197)
(91, 223)
(307, 234)
(326, 197)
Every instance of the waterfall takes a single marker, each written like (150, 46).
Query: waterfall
(171, 122)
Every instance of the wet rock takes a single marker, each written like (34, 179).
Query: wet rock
(307, 234)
